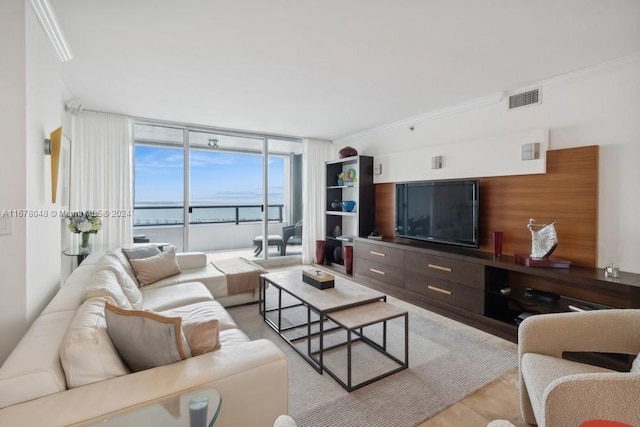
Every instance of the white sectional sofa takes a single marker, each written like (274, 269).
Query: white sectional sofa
(66, 370)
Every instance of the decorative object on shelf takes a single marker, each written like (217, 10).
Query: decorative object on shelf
(337, 231)
(86, 223)
(348, 259)
(341, 179)
(320, 252)
(348, 205)
(318, 279)
(497, 243)
(336, 205)
(351, 176)
(347, 152)
(337, 254)
(543, 241)
(612, 271)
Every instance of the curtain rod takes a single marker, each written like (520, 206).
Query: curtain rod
(192, 126)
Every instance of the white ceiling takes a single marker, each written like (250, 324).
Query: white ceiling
(327, 68)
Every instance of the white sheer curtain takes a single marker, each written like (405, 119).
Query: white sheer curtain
(101, 171)
(314, 153)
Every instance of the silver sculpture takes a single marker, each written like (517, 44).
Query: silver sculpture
(543, 241)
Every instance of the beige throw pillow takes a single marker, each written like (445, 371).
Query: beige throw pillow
(202, 336)
(145, 339)
(150, 270)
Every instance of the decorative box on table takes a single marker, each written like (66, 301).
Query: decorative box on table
(318, 279)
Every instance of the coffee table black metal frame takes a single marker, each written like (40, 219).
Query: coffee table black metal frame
(354, 320)
(323, 314)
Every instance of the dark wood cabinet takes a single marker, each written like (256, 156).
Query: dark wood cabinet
(347, 180)
(484, 291)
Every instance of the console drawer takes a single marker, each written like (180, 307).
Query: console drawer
(466, 297)
(380, 272)
(379, 253)
(445, 268)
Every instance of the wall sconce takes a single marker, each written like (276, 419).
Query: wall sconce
(377, 169)
(531, 151)
(52, 148)
(436, 162)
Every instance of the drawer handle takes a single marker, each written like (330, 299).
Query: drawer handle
(377, 253)
(442, 291)
(373, 270)
(439, 267)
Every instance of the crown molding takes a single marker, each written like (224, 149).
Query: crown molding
(592, 69)
(495, 98)
(49, 21)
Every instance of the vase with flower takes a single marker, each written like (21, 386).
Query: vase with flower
(85, 223)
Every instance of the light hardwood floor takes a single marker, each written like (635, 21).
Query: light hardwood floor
(496, 401)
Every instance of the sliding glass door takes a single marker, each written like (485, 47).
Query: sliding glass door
(220, 192)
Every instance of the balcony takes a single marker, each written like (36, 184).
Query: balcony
(221, 230)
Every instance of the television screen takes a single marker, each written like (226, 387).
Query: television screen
(438, 211)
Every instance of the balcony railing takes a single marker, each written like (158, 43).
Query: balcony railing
(152, 216)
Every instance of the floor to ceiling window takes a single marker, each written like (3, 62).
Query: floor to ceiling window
(206, 190)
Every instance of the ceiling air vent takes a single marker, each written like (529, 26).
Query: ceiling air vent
(523, 99)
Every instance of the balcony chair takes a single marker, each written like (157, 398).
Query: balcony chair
(293, 233)
(557, 392)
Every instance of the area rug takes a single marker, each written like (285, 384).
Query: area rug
(446, 364)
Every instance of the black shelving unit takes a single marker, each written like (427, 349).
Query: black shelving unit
(343, 226)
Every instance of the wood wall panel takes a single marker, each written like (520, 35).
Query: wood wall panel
(567, 194)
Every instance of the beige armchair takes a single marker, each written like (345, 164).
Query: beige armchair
(556, 392)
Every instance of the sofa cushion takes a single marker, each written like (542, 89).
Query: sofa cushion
(87, 353)
(232, 337)
(152, 269)
(103, 283)
(167, 297)
(540, 370)
(128, 284)
(33, 368)
(141, 252)
(117, 258)
(146, 339)
(202, 335)
(203, 311)
(69, 297)
(635, 366)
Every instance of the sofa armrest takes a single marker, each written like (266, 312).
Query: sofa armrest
(187, 260)
(248, 375)
(612, 331)
(573, 399)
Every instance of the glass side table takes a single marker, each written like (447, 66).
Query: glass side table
(76, 253)
(196, 408)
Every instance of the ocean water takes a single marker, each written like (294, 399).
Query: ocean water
(199, 215)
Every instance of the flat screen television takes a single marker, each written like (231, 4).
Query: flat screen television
(438, 211)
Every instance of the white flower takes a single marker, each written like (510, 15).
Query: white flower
(84, 227)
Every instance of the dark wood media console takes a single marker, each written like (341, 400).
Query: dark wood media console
(481, 290)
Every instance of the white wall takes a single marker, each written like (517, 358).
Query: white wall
(44, 114)
(12, 171)
(599, 106)
(31, 108)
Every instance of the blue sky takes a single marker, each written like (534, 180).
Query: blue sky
(217, 178)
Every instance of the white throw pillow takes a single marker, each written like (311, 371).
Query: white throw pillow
(87, 353)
